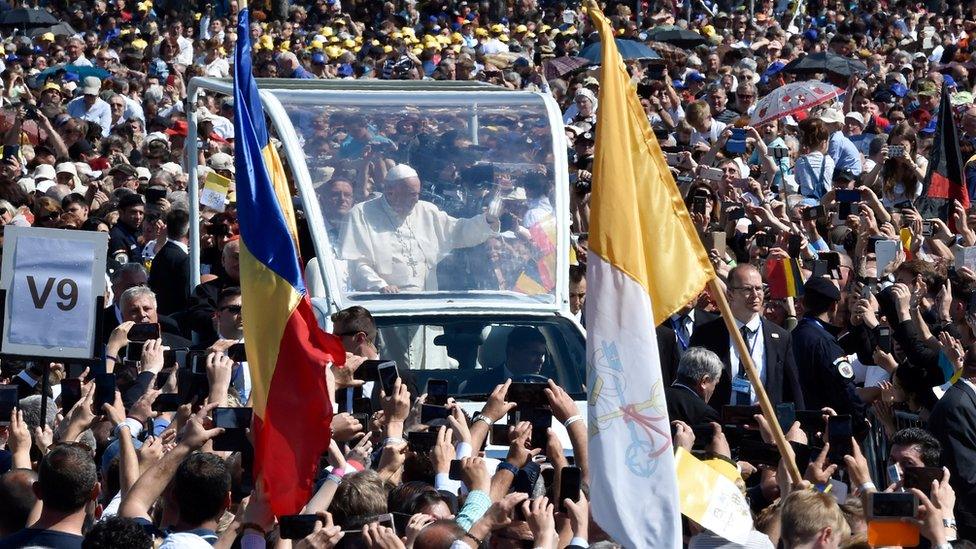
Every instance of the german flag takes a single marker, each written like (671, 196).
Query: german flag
(287, 351)
(946, 177)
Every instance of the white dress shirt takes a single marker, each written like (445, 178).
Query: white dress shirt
(758, 351)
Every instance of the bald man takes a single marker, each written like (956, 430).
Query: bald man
(769, 346)
(393, 243)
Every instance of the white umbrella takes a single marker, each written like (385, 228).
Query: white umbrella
(792, 98)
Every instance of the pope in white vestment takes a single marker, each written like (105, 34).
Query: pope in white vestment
(393, 243)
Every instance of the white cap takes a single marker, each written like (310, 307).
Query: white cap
(400, 171)
(173, 168)
(155, 136)
(44, 171)
(855, 116)
(832, 116)
(27, 184)
(143, 173)
(91, 85)
(44, 184)
(67, 167)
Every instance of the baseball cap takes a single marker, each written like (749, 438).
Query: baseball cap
(143, 173)
(91, 85)
(855, 116)
(832, 116)
(124, 169)
(44, 172)
(821, 288)
(180, 127)
(221, 161)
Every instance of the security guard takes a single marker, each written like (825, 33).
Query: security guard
(826, 374)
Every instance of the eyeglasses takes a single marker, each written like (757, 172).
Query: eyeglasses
(232, 309)
(749, 289)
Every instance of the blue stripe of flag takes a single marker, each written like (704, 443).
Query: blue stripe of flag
(264, 230)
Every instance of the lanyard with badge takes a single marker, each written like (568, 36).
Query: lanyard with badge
(741, 386)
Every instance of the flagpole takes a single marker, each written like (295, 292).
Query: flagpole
(745, 359)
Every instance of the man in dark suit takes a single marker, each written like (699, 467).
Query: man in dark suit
(698, 373)
(674, 336)
(953, 422)
(127, 276)
(169, 276)
(769, 345)
(203, 300)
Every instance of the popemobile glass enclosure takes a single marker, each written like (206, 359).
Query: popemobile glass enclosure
(433, 205)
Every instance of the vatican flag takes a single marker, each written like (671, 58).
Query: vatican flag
(645, 262)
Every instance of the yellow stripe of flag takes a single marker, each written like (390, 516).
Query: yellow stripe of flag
(638, 220)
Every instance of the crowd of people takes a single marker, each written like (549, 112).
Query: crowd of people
(872, 365)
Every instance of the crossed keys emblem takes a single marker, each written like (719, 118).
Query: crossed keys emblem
(612, 400)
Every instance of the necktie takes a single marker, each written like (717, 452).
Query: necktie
(681, 329)
(746, 338)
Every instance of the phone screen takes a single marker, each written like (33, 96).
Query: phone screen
(437, 391)
(456, 471)
(893, 505)
(197, 362)
(541, 420)
(430, 413)
(296, 526)
(499, 435)
(848, 195)
(921, 478)
(758, 453)
(70, 393)
(367, 371)
(362, 405)
(232, 418)
(166, 402)
(421, 442)
(740, 415)
(786, 415)
(570, 485)
(884, 339)
(527, 395)
(387, 376)
(8, 401)
(840, 432)
(104, 391)
(237, 353)
(144, 331)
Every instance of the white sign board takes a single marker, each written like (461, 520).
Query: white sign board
(52, 278)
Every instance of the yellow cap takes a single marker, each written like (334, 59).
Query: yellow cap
(48, 37)
(359, 39)
(418, 51)
(316, 45)
(124, 32)
(327, 32)
(51, 86)
(334, 40)
(456, 48)
(349, 43)
(266, 42)
(480, 32)
(387, 49)
(196, 16)
(457, 38)
(708, 30)
(410, 31)
(333, 51)
(530, 34)
(397, 35)
(498, 28)
(441, 39)
(503, 38)
(139, 44)
(521, 29)
(545, 28)
(375, 42)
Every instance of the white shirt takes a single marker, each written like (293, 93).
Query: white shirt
(185, 57)
(757, 345)
(539, 210)
(99, 113)
(710, 136)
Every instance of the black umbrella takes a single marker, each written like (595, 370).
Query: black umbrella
(679, 37)
(826, 62)
(61, 29)
(27, 18)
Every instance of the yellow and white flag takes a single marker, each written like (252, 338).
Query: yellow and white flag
(645, 262)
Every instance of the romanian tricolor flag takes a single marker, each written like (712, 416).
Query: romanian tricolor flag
(645, 262)
(287, 351)
(784, 278)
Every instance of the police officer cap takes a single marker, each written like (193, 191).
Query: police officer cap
(821, 288)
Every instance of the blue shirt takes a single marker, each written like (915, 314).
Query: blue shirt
(844, 152)
(302, 74)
